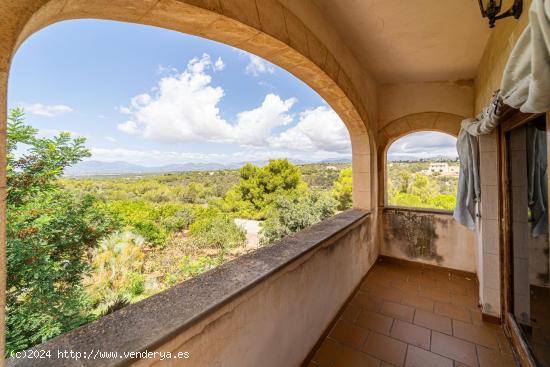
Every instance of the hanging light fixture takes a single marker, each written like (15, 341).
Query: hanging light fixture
(491, 8)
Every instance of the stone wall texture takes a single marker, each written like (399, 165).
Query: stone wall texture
(429, 237)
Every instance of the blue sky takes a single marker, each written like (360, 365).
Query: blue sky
(152, 96)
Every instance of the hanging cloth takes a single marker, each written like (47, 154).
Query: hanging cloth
(525, 86)
(526, 80)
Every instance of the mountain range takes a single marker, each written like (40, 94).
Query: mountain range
(99, 168)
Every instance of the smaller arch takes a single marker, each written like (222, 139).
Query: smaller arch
(425, 121)
(442, 122)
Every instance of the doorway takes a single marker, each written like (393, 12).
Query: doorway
(526, 245)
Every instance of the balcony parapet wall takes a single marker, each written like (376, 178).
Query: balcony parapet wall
(266, 308)
(429, 236)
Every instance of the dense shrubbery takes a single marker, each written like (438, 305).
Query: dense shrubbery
(291, 215)
(342, 189)
(409, 186)
(155, 222)
(214, 229)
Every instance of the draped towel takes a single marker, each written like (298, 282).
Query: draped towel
(525, 86)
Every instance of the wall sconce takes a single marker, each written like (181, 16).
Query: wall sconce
(491, 8)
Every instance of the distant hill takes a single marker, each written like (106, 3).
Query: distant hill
(403, 157)
(101, 168)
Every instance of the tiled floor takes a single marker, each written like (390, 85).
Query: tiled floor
(406, 314)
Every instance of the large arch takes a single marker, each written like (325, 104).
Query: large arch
(264, 28)
(442, 122)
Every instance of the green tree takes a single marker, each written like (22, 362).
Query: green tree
(342, 189)
(258, 188)
(447, 202)
(291, 215)
(49, 231)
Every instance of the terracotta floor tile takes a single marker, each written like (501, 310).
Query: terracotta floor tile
(375, 322)
(347, 333)
(435, 294)
(349, 357)
(388, 294)
(411, 334)
(417, 357)
(386, 348)
(442, 303)
(327, 353)
(351, 312)
(409, 287)
(491, 358)
(380, 278)
(456, 289)
(454, 348)
(419, 302)
(453, 311)
(468, 301)
(398, 311)
(433, 321)
(368, 301)
(475, 334)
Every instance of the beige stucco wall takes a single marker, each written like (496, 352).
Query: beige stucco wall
(398, 100)
(427, 237)
(278, 322)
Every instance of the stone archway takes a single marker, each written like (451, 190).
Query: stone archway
(442, 122)
(264, 28)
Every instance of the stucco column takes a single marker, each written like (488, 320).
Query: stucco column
(489, 273)
(361, 167)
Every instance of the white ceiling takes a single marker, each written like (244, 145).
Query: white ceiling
(411, 40)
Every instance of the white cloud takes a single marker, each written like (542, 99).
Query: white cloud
(185, 109)
(163, 69)
(124, 110)
(219, 65)
(319, 129)
(128, 127)
(111, 139)
(257, 66)
(40, 109)
(255, 126)
(423, 145)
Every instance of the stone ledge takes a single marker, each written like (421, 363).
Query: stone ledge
(150, 323)
(418, 210)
